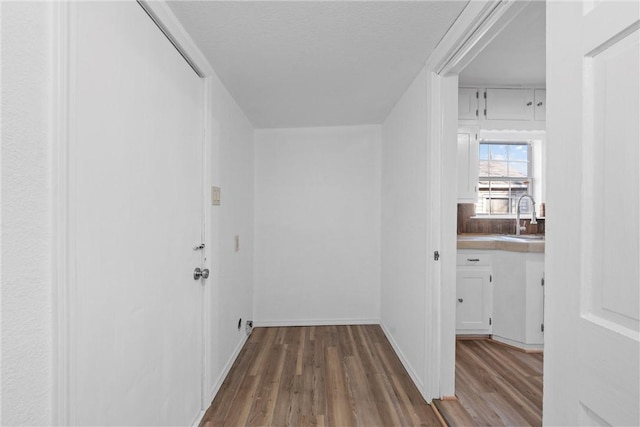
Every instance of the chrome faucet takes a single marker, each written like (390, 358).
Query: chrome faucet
(519, 227)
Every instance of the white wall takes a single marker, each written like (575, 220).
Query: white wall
(230, 288)
(404, 222)
(317, 219)
(27, 355)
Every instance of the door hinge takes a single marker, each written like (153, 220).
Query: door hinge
(436, 255)
(485, 112)
(542, 282)
(485, 94)
(490, 320)
(476, 113)
(491, 278)
(542, 327)
(477, 95)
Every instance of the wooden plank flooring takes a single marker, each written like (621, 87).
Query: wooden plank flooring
(495, 385)
(322, 375)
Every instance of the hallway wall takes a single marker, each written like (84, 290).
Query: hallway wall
(317, 219)
(404, 226)
(230, 288)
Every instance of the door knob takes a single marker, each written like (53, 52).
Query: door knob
(200, 273)
(460, 300)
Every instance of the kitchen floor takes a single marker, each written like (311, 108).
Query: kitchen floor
(495, 386)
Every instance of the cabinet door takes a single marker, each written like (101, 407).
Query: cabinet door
(473, 308)
(535, 299)
(468, 103)
(467, 166)
(540, 100)
(509, 104)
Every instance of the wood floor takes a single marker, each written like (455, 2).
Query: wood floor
(323, 375)
(495, 385)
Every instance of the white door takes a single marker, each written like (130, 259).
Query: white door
(592, 339)
(136, 176)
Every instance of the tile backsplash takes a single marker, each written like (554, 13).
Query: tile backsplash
(467, 224)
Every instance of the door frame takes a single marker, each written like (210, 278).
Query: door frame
(63, 37)
(478, 24)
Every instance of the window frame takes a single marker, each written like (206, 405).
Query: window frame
(482, 197)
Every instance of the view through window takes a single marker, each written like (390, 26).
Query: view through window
(504, 174)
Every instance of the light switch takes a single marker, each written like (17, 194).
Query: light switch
(215, 196)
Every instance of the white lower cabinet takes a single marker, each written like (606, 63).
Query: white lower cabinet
(502, 294)
(473, 294)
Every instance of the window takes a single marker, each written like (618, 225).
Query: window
(504, 174)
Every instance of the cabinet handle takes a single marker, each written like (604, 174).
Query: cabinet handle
(529, 104)
(473, 259)
(460, 300)
(539, 104)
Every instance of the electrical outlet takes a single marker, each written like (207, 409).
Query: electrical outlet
(239, 323)
(237, 243)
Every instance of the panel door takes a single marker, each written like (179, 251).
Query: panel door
(473, 293)
(468, 103)
(592, 289)
(467, 165)
(509, 104)
(136, 177)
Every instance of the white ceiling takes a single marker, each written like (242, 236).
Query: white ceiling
(324, 63)
(516, 56)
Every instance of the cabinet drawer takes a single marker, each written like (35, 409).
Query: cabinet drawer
(474, 259)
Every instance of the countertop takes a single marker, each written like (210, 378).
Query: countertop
(524, 243)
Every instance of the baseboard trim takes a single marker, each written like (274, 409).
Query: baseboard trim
(199, 418)
(223, 375)
(527, 348)
(314, 322)
(407, 366)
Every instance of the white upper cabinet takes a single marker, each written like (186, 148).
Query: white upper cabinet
(540, 101)
(468, 103)
(500, 108)
(509, 104)
(467, 165)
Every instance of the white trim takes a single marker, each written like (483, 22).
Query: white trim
(198, 419)
(207, 308)
(517, 344)
(223, 375)
(473, 30)
(63, 268)
(314, 322)
(208, 398)
(407, 366)
(164, 18)
(478, 24)
(433, 325)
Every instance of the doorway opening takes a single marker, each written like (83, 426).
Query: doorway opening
(499, 267)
